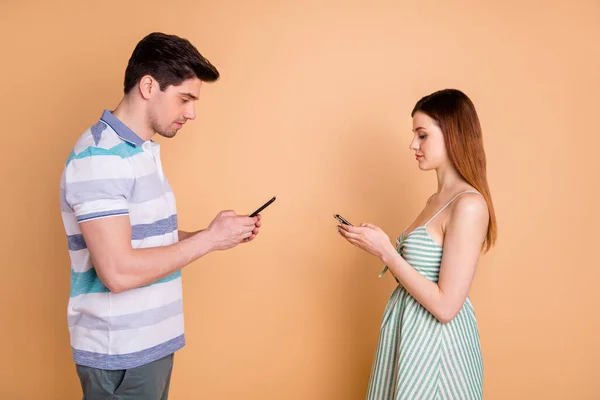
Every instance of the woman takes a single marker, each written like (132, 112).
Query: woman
(429, 342)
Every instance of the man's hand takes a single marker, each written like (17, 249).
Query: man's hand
(228, 230)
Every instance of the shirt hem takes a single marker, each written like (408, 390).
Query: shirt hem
(129, 360)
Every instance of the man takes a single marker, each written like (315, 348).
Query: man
(125, 311)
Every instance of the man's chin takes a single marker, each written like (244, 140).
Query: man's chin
(168, 135)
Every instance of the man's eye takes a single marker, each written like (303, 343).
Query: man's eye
(184, 100)
(422, 137)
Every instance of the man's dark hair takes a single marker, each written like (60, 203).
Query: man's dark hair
(169, 59)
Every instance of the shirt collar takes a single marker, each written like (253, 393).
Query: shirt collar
(121, 129)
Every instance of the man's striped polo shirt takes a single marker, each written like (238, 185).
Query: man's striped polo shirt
(111, 171)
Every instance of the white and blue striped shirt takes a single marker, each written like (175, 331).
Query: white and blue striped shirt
(111, 171)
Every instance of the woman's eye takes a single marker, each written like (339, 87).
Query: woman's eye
(422, 137)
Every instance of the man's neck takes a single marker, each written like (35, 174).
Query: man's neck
(134, 117)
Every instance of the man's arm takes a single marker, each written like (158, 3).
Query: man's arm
(120, 267)
(184, 234)
(97, 188)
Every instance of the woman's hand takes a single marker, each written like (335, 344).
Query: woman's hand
(369, 238)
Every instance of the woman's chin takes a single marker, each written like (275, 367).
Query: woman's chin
(423, 166)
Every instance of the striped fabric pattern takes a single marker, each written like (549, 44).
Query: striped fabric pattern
(417, 356)
(112, 172)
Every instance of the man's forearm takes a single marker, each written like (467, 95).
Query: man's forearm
(184, 234)
(141, 267)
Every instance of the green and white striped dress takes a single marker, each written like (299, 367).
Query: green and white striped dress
(417, 356)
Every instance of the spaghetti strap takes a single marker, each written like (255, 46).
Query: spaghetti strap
(448, 203)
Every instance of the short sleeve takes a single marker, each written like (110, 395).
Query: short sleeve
(98, 184)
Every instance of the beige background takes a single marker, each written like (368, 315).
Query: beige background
(314, 107)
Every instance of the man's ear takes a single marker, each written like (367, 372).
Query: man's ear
(147, 86)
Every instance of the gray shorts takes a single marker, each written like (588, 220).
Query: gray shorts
(148, 382)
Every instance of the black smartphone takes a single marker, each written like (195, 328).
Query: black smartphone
(255, 213)
(341, 219)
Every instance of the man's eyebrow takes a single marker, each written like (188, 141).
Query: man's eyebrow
(189, 95)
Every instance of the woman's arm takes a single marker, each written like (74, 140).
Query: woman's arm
(464, 236)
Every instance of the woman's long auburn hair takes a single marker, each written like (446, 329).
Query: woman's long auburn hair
(455, 114)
